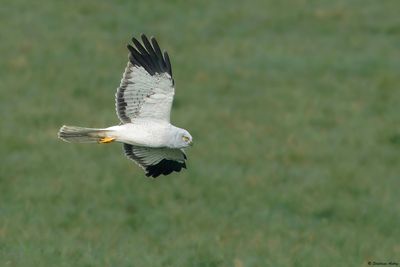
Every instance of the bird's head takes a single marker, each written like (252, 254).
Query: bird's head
(183, 139)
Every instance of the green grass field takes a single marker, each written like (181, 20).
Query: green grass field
(293, 106)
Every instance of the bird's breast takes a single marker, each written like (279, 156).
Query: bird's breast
(141, 134)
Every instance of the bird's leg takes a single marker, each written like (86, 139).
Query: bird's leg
(106, 140)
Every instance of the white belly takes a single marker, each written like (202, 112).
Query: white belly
(146, 133)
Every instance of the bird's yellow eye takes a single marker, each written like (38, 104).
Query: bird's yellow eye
(185, 138)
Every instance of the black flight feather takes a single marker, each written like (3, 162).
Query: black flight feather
(149, 56)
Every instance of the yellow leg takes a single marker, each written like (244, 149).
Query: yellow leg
(106, 140)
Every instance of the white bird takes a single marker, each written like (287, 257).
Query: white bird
(143, 103)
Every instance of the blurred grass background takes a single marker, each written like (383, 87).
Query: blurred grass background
(294, 109)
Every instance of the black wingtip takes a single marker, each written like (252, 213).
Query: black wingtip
(131, 48)
(167, 63)
(155, 45)
(149, 56)
(164, 167)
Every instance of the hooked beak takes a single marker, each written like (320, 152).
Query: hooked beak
(191, 143)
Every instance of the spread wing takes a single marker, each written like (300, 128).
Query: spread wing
(156, 161)
(147, 88)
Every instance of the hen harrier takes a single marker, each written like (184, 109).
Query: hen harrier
(143, 103)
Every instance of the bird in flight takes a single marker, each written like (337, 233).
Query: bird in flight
(143, 104)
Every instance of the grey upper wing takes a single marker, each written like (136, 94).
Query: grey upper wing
(156, 161)
(147, 87)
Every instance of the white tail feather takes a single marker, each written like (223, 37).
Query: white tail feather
(75, 134)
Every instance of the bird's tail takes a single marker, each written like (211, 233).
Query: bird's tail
(75, 134)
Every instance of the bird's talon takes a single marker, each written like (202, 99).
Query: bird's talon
(106, 140)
